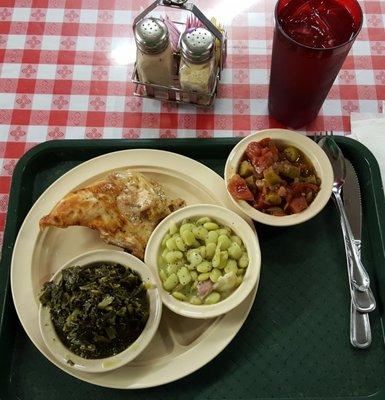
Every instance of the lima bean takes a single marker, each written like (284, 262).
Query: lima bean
(217, 258)
(196, 244)
(174, 256)
(179, 296)
(203, 220)
(224, 231)
(211, 226)
(243, 262)
(186, 226)
(195, 300)
(179, 243)
(204, 266)
(203, 277)
(162, 275)
(200, 232)
(173, 229)
(164, 253)
(202, 251)
(235, 251)
(236, 239)
(172, 268)
(224, 242)
(223, 257)
(191, 267)
(212, 298)
(184, 276)
(210, 250)
(188, 237)
(215, 275)
(231, 266)
(171, 282)
(171, 245)
(212, 237)
(195, 258)
(166, 237)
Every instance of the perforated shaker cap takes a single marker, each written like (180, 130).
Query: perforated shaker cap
(197, 45)
(151, 35)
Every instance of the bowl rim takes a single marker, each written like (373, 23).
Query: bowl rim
(240, 227)
(63, 354)
(316, 155)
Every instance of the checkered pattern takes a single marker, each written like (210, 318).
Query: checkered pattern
(65, 68)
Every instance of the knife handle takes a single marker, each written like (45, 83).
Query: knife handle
(360, 332)
(360, 304)
(363, 301)
(360, 277)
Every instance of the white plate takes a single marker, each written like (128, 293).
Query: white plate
(181, 345)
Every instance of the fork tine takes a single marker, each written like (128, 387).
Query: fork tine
(318, 136)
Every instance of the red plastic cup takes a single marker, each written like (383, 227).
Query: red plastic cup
(302, 75)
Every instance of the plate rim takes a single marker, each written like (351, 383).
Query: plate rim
(115, 157)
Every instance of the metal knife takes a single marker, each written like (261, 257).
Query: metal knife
(360, 332)
(363, 300)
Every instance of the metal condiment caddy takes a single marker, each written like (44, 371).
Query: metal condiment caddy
(175, 93)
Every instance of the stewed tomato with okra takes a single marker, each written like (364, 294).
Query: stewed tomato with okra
(275, 179)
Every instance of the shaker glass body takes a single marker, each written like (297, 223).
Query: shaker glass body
(155, 68)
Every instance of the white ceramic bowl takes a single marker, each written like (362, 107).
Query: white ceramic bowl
(311, 150)
(63, 354)
(227, 218)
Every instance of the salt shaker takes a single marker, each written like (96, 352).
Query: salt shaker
(196, 71)
(154, 57)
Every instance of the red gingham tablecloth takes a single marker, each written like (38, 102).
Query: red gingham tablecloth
(65, 69)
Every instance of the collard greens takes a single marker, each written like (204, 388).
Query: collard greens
(97, 310)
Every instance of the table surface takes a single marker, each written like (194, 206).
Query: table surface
(66, 65)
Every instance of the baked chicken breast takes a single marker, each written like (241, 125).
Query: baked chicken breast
(124, 208)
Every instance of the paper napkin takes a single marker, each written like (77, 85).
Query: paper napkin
(369, 129)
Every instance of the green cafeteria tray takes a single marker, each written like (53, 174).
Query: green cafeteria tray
(295, 341)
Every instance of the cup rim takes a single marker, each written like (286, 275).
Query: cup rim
(351, 40)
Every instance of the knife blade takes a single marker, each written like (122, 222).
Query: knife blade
(352, 199)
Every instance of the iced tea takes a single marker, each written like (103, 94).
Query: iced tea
(311, 41)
